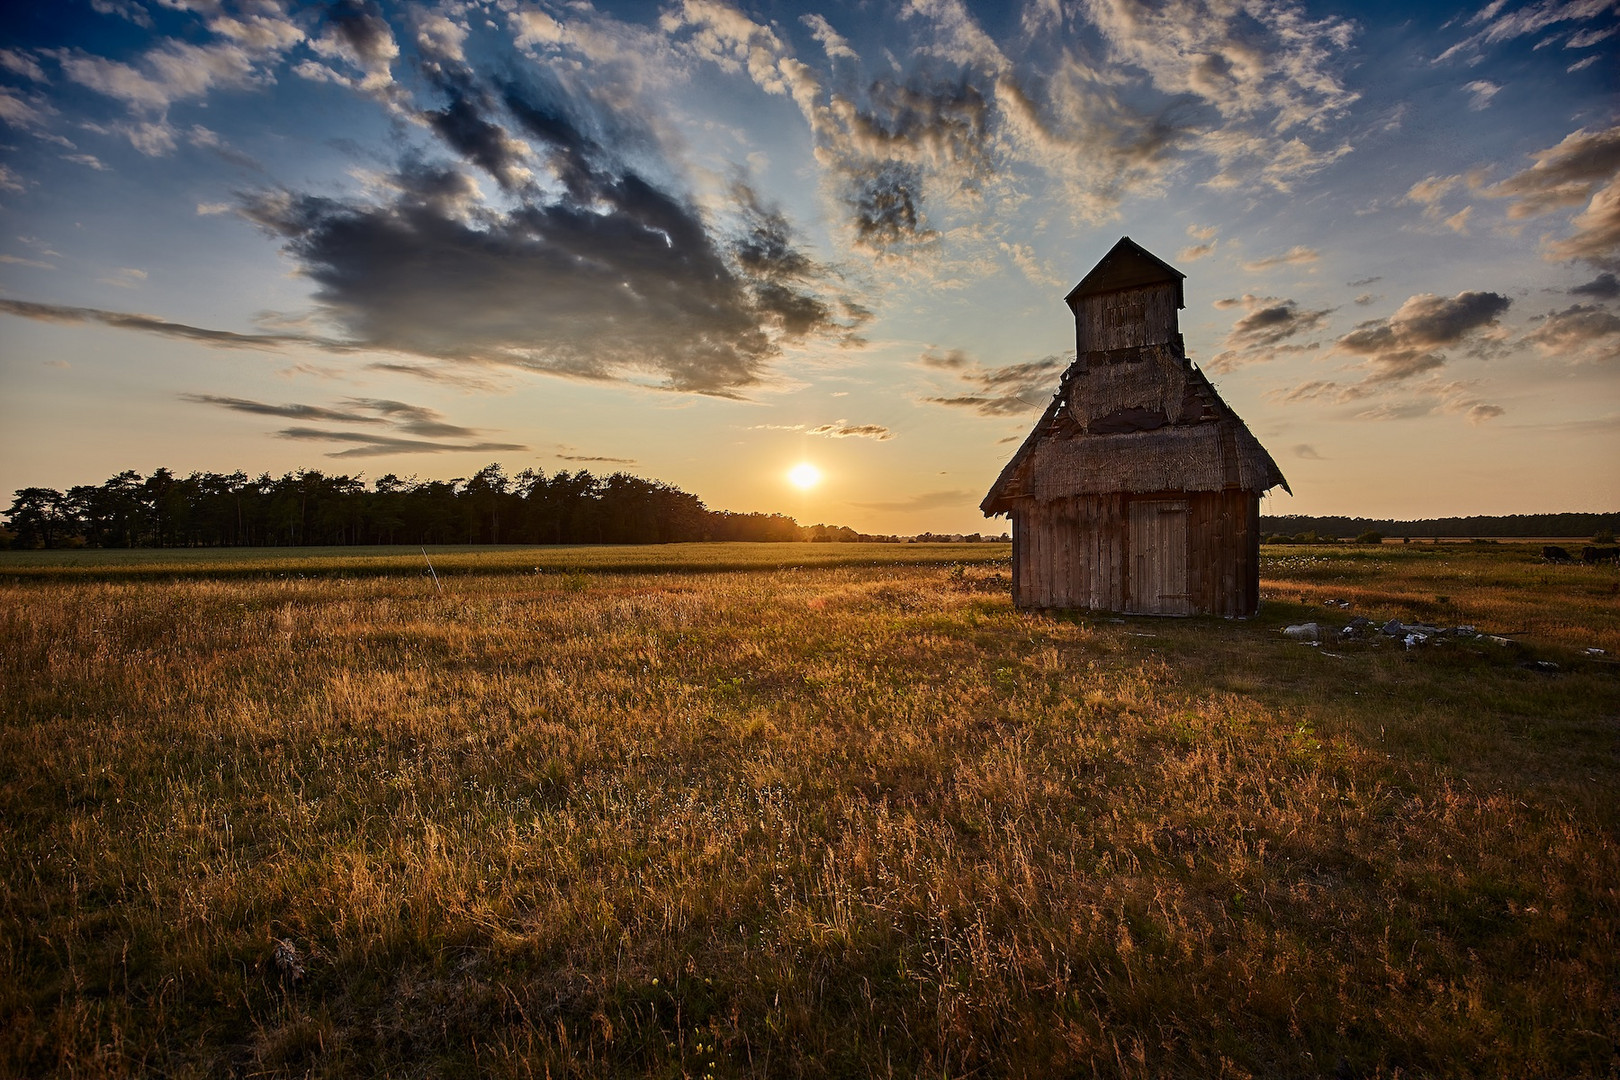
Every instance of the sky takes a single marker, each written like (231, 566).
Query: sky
(704, 242)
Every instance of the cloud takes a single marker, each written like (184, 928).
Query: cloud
(1579, 333)
(1448, 399)
(125, 277)
(932, 500)
(949, 360)
(1307, 452)
(831, 41)
(1408, 343)
(596, 458)
(19, 113)
(1364, 299)
(1391, 402)
(1564, 175)
(399, 417)
(1430, 193)
(1260, 334)
(289, 412)
(1482, 91)
(1011, 390)
(1596, 239)
(842, 429)
(386, 445)
(20, 63)
(1361, 282)
(1584, 167)
(151, 324)
(15, 260)
(594, 270)
(1530, 19)
(356, 34)
(1294, 256)
(124, 9)
(1205, 235)
(1603, 287)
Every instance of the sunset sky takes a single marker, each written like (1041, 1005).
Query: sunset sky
(705, 242)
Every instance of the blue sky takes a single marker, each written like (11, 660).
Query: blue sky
(704, 241)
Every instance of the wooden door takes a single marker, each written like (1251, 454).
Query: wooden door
(1158, 558)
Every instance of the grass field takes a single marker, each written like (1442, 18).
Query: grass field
(807, 810)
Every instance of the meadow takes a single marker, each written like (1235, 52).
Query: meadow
(804, 811)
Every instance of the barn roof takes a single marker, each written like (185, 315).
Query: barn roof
(1134, 420)
(1126, 266)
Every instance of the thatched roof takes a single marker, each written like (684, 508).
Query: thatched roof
(1134, 420)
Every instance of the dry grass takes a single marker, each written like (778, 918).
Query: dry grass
(858, 820)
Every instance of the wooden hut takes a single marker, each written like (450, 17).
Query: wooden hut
(1139, 489)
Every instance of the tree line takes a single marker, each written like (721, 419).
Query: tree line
(1529, 525)
(313, 508)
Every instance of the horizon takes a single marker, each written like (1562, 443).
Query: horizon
(708, 244)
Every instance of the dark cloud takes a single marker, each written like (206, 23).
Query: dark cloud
(1011, 390)
(615, 277)
(1362, 282)
(1579, 332)
(463, 126)
(883, 201)
(359, 25)
(289, 412)
(151, 324)
(1259, 335)
(593, 457)
(417, 420)
(1408, 343)
(1307, 452)
(385, 445)
(1602, 287)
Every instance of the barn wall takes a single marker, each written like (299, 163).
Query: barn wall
(1075, 553)
(1127, 318)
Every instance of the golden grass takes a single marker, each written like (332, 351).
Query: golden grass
(824, 821)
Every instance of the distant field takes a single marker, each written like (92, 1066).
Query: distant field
(800, 810)
(393, 561)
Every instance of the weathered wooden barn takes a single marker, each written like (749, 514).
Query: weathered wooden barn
(1139, 489)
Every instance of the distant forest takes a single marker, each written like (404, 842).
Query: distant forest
(312, 508)
(1344, 528)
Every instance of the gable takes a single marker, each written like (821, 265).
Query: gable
(1127, 265)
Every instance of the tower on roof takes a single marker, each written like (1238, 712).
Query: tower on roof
(1139, 489)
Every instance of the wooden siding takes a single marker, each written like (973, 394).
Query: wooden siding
(1129, 318)
(1083, 553)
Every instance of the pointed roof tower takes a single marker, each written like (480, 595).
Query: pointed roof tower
(1127, 265)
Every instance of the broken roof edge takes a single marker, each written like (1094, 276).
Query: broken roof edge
(992, 497)
(997, 501)
(1103, 277)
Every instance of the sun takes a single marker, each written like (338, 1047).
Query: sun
(804, 476)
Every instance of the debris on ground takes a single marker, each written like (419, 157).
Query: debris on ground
(1304, 632)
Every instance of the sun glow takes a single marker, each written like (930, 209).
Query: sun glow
(804, 476)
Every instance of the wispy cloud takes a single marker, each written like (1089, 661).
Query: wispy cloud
(401, 419)
(932, 500)
(1294, 256)
(1010, 390)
